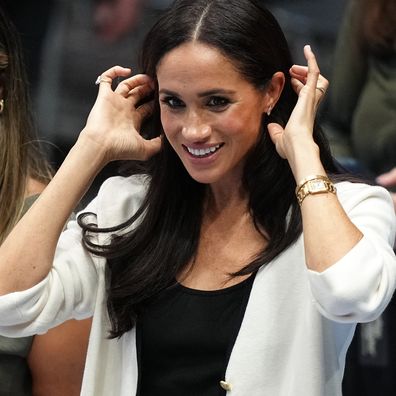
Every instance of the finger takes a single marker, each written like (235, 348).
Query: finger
(129, 84)
(151, 147)
(276, 133)
(106, 78)
(139, 93)
(297, 85)
(313, 69)
(146, 109)
(316, 84)
(322, 84)
(299, 72)
(274, 130)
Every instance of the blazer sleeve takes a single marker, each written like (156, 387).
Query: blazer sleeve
(359, 286)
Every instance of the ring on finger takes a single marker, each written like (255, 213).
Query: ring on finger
(101, 79)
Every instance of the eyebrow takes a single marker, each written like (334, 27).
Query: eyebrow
(211, 92)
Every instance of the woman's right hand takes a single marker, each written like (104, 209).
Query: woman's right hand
(114, 122)
(111, 133)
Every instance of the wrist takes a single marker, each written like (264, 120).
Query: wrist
(305, 161)
(314, 184)
(91, 149)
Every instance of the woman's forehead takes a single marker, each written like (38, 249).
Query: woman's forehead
(195, 60)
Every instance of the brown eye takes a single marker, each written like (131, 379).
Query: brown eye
(173, 102)
(218, 101)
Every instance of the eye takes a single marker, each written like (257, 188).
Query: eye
(173, 102)
(218, 102)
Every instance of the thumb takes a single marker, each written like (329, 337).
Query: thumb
(275, 131)
(276, 134)
(153, 146)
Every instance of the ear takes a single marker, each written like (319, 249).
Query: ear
(273, 91)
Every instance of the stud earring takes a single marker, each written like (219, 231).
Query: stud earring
(1, 106)
(269, 111)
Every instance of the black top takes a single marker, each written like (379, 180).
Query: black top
(185, 337)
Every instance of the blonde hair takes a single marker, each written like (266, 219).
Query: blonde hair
(21, 157)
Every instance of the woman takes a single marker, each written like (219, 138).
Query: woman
(196, 267)
(24, 174)
(363, 98)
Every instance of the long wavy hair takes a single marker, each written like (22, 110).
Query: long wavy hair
(20, 154)
(147, 259)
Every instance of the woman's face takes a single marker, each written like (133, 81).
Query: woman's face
(210, 114)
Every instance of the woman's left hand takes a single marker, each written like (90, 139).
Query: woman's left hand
(310, 87)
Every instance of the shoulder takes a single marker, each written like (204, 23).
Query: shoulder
(34, 187)
(28, 202)
(351, 194)
(135, 184)
(369, 207)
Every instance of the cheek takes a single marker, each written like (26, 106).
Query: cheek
(243, 126)
(170, 127)
(167, 124)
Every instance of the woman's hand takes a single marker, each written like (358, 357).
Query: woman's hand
(310, 87)
(114, 122)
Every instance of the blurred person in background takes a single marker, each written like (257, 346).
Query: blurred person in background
(388, 179)
(31, 19)
(53, 362)
(361, 124)
(361, 112)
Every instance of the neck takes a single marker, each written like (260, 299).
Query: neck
(227, 197)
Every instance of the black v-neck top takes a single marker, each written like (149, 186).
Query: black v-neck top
(185, 338)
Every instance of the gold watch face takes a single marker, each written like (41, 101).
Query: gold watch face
(316, 186)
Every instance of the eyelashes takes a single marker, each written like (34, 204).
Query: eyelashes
(173, 102)
(214, 103)
(218, 101)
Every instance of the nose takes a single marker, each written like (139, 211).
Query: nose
(195, 129)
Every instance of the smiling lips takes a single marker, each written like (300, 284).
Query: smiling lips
(202, 152)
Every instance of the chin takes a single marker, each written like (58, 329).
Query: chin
(204, 177)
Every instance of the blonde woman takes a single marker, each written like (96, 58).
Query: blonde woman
(54, 361)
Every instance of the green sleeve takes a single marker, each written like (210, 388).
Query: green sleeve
(349, 74)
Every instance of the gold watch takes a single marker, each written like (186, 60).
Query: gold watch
(317, 184)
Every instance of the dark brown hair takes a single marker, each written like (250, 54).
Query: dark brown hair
(147, 259)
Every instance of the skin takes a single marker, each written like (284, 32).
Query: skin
(388, 180)
(57, 359)
(33, 187)
(222, 111)
(112, 133)
(64, 348)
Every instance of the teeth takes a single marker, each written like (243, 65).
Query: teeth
(203, 152)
